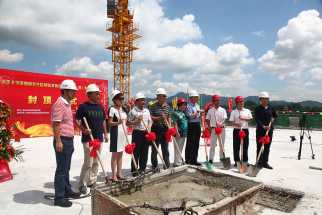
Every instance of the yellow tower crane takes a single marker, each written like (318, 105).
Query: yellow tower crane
(122, 44)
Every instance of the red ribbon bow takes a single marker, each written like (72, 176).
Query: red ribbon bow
(242, 134)
(95, 145)
(171, 132)
(129, 148)
(218, 130)
(151, 136)
(265, 140)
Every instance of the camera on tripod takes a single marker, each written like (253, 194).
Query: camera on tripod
(305, 131)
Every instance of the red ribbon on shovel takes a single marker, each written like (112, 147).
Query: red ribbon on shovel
(151, 136)
(95, 145)
(129, 148)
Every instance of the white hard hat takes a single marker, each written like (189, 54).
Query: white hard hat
(264, 95)
(115, 93)
(193, 93)
(92, 88)
(139, 95)
(161, 91)
(68, 85)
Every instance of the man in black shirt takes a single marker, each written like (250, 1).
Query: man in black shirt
(264, 114)
(95, 116)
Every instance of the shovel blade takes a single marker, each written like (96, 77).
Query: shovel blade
(253, 171)
(242, 167)
(226, 162)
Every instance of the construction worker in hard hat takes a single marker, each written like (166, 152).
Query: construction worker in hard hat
(239, 118)
(264, 114)
(160, 112)
(180, 120)
(194, 129)
(140, 120)
(117, 121)
(63, 128)
(95, 116)
(216, 117)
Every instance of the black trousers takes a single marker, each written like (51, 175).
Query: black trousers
(160, 134)
(264, 157)
(141, 150)
(236, 145)
(193, 139)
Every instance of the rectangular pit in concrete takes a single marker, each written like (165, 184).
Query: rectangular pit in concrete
(176, 191)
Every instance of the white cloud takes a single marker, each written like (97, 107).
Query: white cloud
(297, 57)
(85, 67)
(53, 23)
(161, 30)
(7, 57)
(259, 33)
(298, 48)
(316, 73)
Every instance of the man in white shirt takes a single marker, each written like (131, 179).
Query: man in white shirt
(240, 118)
(216, 117)
(140, 120)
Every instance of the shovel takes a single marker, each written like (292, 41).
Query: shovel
(176, 146)
(155, 147)
(208, 165)
(225, 160)
(242, 167)
(98, 154)
(128, 142)
(254, 169)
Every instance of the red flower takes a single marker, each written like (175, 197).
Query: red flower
(129, 148)
(95, 145)
(171, 132)
(206, 133)
(242, 134)
(218, 130)
(151, 136)
(265, 140)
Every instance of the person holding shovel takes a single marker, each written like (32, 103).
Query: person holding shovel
(160, 112)
(240, 118)
(63, 128)
(264, 114)
(117, 119)
(139, 117)
(194, 129)
(180, 120)
(95, 115)
(216, 117)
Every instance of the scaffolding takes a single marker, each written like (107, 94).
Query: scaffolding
(122, 45)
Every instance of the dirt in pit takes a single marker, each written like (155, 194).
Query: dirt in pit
(170, 193)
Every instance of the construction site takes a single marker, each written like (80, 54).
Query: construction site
(222, 183)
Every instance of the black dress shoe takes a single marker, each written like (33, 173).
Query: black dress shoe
(197, 164)
(63, 203)
(73, 195)
(267, 166)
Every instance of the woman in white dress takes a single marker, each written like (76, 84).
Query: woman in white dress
(117, 119)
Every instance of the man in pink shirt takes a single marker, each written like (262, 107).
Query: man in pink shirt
(63, 127)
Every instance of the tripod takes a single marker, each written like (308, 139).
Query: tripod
(305, 132)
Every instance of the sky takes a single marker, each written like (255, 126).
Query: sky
(228, 47)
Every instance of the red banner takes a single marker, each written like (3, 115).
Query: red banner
(31, 95)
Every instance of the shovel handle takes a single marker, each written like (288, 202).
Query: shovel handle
(155, 146)
(127, 140)
(98, 154)
(221, 145)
